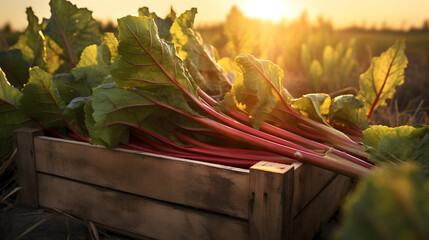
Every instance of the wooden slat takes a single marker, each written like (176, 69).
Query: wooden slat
(309, 181)
(136, 214)
(25, 164)
(310, 220)
(271, 189)
(212, 187)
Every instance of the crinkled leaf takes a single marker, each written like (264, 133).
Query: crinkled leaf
(253, 93)
(115, 111)
(11, 117)
(230, 68)
(163, 25)
(74, 112)
(69, 87)
(93, 65)
(421, 154)
(111, 42)
(55, 62)
(386, 72)
(113, 108)
(393, 145)
(41, 100)
(147, 62)
(199, 57)
(31, 41)
(72, 28)
(15, 67)
(348, 111)
(315, 106)
(90, 123)
(390, 204)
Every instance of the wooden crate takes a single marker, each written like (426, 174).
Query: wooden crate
(152, 196)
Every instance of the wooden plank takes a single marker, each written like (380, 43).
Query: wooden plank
(212, 187)
(271, 189)
(25, 164)
(136, 214)
(311, 219)
(309, 181)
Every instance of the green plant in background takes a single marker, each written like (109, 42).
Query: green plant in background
(392, 202)
(390, 146)
(389, 204)
(378, 84)
(335, 67)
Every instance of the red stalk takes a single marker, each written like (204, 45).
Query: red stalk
(306, 157)
(210, 159)
(233, 152)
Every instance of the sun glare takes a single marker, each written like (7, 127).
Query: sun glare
(273, 10)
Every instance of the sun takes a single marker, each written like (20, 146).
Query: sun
(273, 10)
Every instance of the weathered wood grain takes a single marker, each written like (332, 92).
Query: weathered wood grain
(271, 189)
(211, 187)
(136, 214)
(310, 220)
(309, 181)
(25, 163)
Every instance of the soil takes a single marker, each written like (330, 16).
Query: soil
(56, 226)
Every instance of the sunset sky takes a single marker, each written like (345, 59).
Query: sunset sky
(396, 13)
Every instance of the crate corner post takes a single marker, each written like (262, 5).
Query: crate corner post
(25, 161)
(271, 195)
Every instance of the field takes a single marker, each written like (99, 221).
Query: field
(411, 103)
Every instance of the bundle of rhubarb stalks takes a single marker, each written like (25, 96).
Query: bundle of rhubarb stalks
(159, 88)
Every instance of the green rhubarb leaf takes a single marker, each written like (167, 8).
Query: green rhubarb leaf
(31, 42)
(392, 145)
(253, 93)
(421, 154)
(389, 204)
(15, 67)
(69, 87)
(11, 117)
(90, 123)
(163, 25)
(41, 100)
(72, 28)
(315, 106)
(147, 62)
(93, 65)
(75, 114)
(348, 111)
(386, 72)
(55, 62)
(199, 57)
(111, 42)
(114, 109)
(230, 68)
